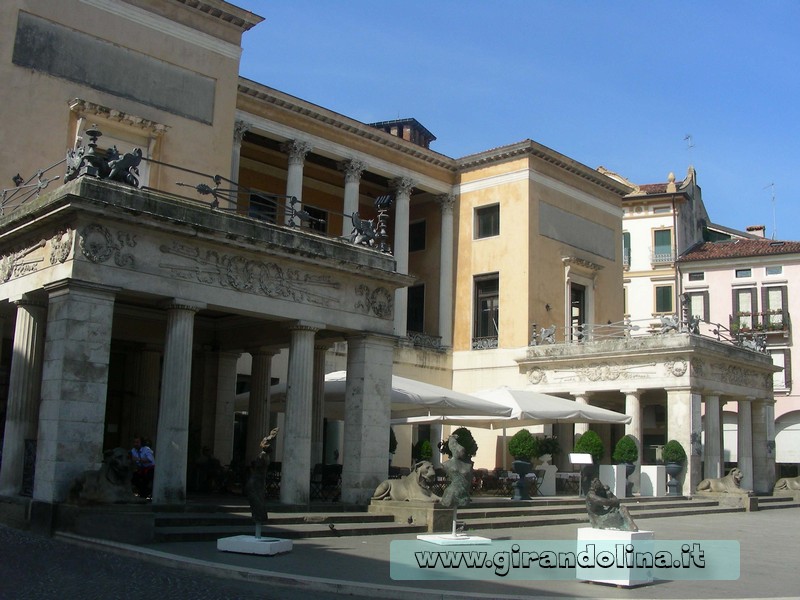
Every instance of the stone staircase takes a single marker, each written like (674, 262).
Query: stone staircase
(211, 521)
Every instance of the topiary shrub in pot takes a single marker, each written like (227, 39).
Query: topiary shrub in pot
(674, 457)
(626, 453)
(465, 440)
(589, 443)
(523, 446)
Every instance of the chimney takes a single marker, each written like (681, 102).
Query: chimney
(759, 230)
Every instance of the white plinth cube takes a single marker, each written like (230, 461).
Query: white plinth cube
(614, 477)
(653, 480)
(612, 555)
(447, 539)
(249, 544)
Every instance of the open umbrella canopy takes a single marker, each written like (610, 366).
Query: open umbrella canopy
(527, 408)
(409, 398)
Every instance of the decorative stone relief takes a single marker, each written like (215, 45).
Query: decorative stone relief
(17, 264)
(379, 301)
(61, 246)
(245, 275)
(537, 376)
(98, 245)
(676, 368)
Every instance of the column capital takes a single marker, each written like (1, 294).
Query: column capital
(297, 150)
(632, 391)
(402, 185)
(181, 304)
(446, 202)
(352, 169)
(239, 129)
(305, 326)
(261, 351)
(64, 285)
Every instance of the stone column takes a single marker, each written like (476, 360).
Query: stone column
(296, 468)
(367, 416)
(144, 416)
(402, 187)
(318, 405)
(684, 425)
(169, 485)
(225, 406)
(239, 129)
(24, 391)
(446, 202)
(712, 445)
(763, 454)
(633, 408)
(297, 151)
(74, 385)
(581, 398)
(352, 180)
(744, 441)
(208, 399)
(258, 408)
(436, 437)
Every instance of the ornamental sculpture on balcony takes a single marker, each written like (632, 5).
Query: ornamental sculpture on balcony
(103, 164)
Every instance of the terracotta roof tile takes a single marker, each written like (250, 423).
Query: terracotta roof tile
(739, 248)
(653, 188)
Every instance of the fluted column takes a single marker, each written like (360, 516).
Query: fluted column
(402, 187)
(581, 428)
(297, 151)
(258, 408)
(144, 416)
(447, 203)
(22, 412)
(712, 445)
(296, 468)
(352, 180)
(74, 385)
(367, 416)
(169, 486)
(684, 425)
(239, 129)
(225, 406)
(633, 408)
(318, 404)
(744, 441)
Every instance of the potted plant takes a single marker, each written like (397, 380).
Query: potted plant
(392, 444)
(626, 453)
(523, 446)
(674, 457)
(465, 440)
(589, 443)
(548, 446)
(423, 450)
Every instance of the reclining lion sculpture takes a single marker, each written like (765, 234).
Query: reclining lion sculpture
(730, 484)
(414, 486)
(109, 484)
(787, 484)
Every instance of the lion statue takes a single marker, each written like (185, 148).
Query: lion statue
(110, 484)
(414, 486)
(787, 484)
(730, 484)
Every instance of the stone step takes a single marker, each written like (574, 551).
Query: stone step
(776, 502)
(533, 509)
(200, 519)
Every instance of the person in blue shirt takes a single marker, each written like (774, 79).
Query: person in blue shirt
(144, 468)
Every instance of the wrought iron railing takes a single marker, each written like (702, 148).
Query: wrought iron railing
(767, 322)
(484, 343)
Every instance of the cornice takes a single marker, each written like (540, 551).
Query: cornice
(531, 148)
(306, 109)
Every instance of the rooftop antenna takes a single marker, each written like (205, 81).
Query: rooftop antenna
(774, 222)
(689, 144)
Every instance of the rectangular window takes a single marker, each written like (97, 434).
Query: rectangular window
(415, 310)
(744, 307)
(774, 270)
(626, 249)
(264, 207)
(664, 299)
(662, 245)
(697, 276)
(743, 273)
(416, 236)
(782, 380)
(487, 312)
(661, 210)
(698, 305)
(487, 221)
(775, 304)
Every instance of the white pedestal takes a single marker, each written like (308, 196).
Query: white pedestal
(448, 539)
(249, 544)
(614, 541)
(654, 480)
(614, 477)
(548, 486)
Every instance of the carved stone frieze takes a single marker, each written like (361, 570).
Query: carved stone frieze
(537, 376)
(246, 275)
(99, 245)
(676, 368)
(61, 246)
(17, 264)
(379, 301)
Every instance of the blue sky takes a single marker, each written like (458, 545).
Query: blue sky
(618, 84)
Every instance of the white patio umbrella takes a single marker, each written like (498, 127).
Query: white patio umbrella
(527, 408)
(409, 398)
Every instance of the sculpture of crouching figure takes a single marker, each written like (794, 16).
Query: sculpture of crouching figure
(110, 484)
(605, 511)
(414, 486)
(787, 484)
(730, 484)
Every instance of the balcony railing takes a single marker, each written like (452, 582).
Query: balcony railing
(657, 258)
(767, 322)
(484, 343)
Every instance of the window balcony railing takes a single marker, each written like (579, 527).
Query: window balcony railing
(658, 258)
(769, 322)
(484, 343)
(424, 340)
